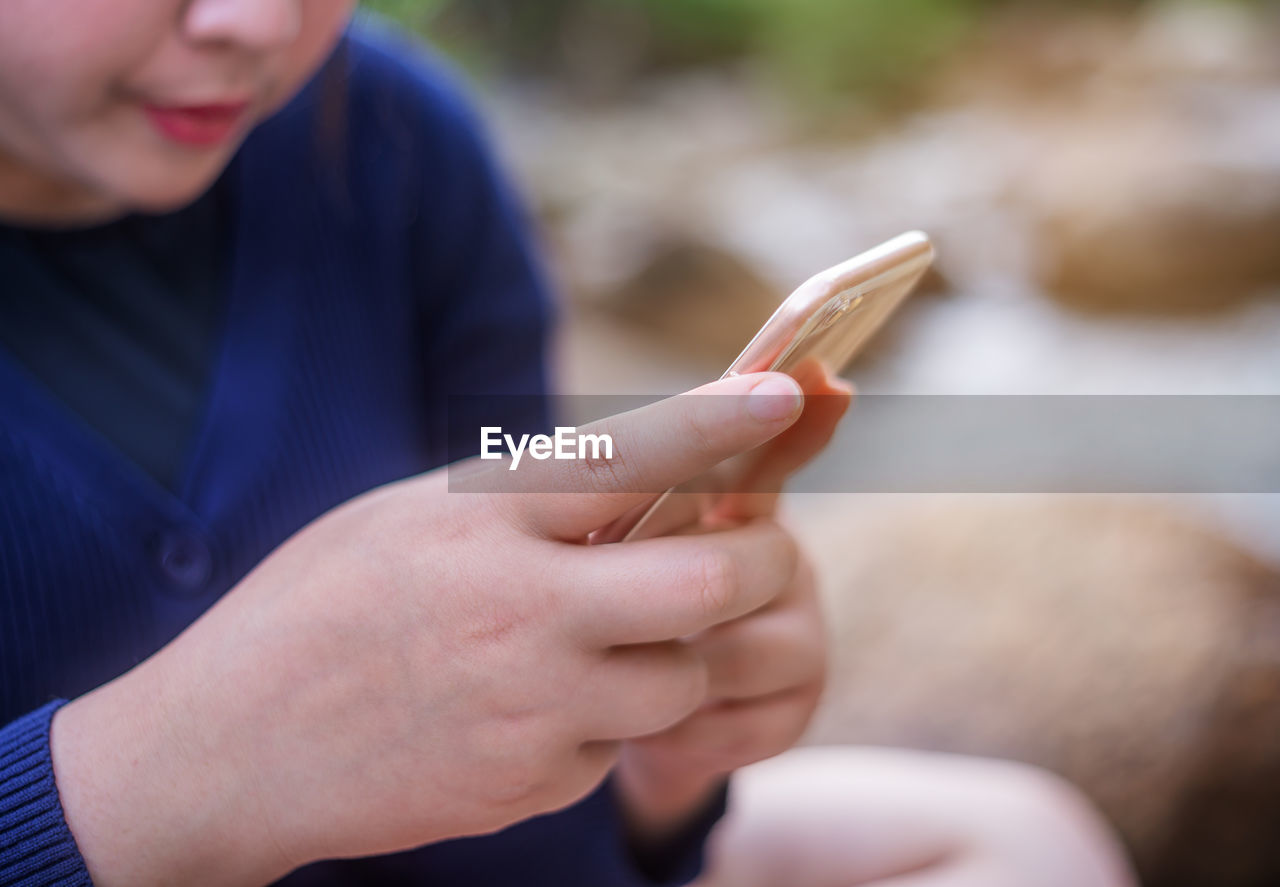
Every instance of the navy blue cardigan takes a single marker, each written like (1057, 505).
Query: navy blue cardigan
(379, 264)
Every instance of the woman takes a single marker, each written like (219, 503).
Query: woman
(249, 254)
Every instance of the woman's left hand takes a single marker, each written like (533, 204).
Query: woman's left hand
(766, 669)
(766, 676)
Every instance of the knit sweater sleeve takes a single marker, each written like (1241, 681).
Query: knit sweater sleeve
(36, 847)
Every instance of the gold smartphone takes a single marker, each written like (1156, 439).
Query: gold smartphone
(828, 319)
(834, 314)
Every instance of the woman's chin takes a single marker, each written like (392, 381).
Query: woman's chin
(165, 194)
(155, 181)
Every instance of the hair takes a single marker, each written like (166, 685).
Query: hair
(333, 122)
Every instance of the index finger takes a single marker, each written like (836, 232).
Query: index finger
(653, 448)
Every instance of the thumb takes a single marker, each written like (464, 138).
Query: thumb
(654, 448)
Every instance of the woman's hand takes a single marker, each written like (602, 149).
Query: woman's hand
(422, 663)
(766, 670)
(766, 673)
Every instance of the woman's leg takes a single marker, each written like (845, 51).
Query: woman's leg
(840, 817)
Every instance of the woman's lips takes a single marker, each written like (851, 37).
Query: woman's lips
(200, 125)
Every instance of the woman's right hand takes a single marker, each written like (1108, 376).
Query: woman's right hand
(420, 664)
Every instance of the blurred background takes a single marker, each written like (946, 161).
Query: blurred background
(1102, 180)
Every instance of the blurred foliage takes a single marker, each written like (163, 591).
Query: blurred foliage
(871, 47)
(415, 14)
(821, 44)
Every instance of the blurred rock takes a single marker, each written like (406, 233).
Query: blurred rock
(698, 299)
(1150, 172)
(1168, 203)
(1221, 41)
(1112, 642)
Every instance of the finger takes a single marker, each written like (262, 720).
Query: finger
(757, 488)
(678, 509)
(661, 589)
(654, 448)
(726, 735)
(765, 653)
(748, 485)
(643, 689)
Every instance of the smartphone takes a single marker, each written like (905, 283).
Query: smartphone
(827, 320)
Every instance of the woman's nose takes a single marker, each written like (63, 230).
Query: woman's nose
(256, 25)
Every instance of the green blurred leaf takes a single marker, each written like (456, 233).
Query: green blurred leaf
(865, 48)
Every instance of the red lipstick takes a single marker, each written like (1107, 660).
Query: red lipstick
(197, 125)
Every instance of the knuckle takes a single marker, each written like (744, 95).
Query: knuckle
(716, 582)
(521, 788)
(493, 619)
(519, 774)
(697, 434)
(489, 626)
(597, 474)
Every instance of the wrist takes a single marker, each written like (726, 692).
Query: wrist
(148, 799)
(666, 836)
